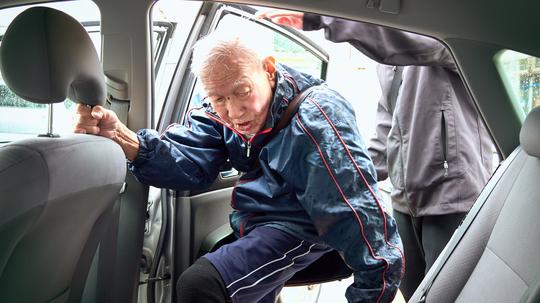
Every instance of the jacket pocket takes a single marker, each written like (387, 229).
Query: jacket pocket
(444, 143)
(430, 158)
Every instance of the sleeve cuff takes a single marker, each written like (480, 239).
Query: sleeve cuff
(311, 22)
(144, 152)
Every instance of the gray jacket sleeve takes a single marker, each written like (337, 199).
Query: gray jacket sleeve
(377, 143)
(383, 44)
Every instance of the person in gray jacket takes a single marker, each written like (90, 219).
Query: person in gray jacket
(430, 140)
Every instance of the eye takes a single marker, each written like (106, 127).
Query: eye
(243, 92)
(217, 100)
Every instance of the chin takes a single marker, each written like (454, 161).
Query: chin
(247, 133)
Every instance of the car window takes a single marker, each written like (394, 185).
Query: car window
(172, 21)
(283, 47)
(521, 76)
(19, 118)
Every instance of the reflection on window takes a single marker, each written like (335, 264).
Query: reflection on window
(21, 119)
(521, 75)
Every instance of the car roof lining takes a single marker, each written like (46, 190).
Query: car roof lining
(496, 27)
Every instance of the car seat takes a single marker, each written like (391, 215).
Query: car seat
(56, 192)
(493, 255)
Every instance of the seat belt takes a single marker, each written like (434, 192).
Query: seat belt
(109, 244)
(460, 232)
(120, 107)
(286, 117)
(289, 112)
(108, 248)
(117, 98)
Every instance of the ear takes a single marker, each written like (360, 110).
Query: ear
(269, 65)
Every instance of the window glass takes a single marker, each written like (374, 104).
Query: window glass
(172, 21)
(19, 118)
(292, 54)
(283, 48)
(521, 76)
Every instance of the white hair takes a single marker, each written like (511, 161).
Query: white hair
(221, 47)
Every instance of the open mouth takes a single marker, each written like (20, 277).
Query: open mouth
(244, 126)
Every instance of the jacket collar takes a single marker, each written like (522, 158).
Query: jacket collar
(285, 90)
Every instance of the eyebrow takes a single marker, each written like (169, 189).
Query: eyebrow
(242, 82)
(236, 84)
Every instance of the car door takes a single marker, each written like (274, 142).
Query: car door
(181, 226)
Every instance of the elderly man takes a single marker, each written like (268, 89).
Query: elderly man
(306, 190)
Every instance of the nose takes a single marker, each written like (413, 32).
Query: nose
(235, 109)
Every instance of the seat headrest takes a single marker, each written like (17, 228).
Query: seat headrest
(46, 56)
(529, 137)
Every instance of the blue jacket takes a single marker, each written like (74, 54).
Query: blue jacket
(314, 180)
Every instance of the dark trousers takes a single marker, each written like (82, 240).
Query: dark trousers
(423, 240)
(201, 282)
(253, 268)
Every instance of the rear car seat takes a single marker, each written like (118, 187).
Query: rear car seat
(493, 256)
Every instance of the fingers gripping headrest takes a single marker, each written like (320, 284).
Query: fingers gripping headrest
(529, 137)
(46, 56)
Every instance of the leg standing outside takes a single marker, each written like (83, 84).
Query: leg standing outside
(436, 232)
(410, 230)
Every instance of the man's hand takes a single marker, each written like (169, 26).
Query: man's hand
(96, 121)
(284, 17)
(103, 122)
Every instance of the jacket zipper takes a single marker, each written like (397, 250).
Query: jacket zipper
(248, 142)
(444, 136)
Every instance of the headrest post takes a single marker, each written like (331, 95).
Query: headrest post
(50, 133)
(50, 120)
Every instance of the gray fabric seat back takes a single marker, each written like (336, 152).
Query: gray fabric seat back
(53, 191)
(497, 259)
(56, 194)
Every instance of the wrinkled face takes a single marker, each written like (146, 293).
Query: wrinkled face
(241, 94)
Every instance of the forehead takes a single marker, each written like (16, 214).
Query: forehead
(227, 84)
(228, 74)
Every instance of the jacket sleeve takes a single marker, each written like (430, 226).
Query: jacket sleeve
(181, 158)
(383, 44)
(377, 143)
(327, 163)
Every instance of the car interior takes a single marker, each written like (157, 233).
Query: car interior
(75, 226)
